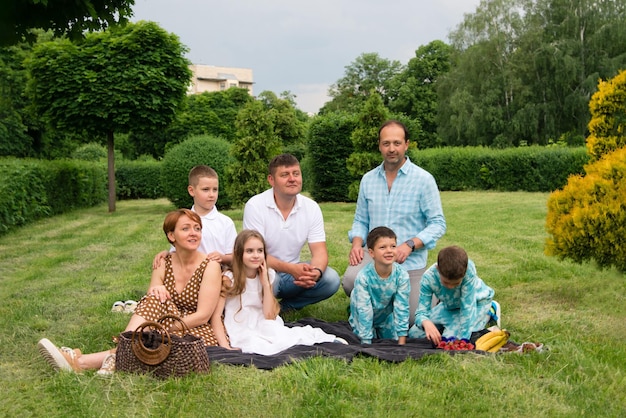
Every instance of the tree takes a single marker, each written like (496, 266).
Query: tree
(287, 126)
(369, 72)
(328, 147)
(572, 45)
(18, 17)
(124, 79)
(476, 95)
(413, 91)
(255, 146)
(208, 113)
(587, 219)
(523, 71)
(365, 141)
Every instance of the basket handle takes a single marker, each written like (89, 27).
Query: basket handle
(184, 328)
(151, 356)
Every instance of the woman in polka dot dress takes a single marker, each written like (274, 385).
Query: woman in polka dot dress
(187, 285)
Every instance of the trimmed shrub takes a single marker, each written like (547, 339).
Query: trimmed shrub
(329, 146)
(203, 149)
(90, 152)
(138, 180)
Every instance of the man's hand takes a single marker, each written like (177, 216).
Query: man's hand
(356, 255)
(402, 252)
(305, 275)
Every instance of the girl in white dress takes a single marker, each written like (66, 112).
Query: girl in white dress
(251, 311)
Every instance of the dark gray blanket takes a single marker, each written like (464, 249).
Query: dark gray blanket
(387, 350)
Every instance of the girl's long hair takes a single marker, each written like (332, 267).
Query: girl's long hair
(239, 270)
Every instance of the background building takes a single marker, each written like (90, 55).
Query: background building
(212, 78)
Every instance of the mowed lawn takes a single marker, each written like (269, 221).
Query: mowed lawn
(60, 276)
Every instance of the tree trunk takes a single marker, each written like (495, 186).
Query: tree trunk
(111, 170)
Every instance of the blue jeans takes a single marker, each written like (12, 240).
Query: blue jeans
(293, 296)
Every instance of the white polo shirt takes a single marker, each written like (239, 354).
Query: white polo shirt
(284, 237)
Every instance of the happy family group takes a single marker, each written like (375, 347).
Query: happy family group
(230, 288)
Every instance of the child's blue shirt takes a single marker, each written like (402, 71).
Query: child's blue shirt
(381, 304)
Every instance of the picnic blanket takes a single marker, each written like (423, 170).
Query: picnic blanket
(387, 350)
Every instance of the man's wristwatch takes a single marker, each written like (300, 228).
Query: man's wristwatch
(411, 244)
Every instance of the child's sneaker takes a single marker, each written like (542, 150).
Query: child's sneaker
(340, 340)
(108, 366)
(63, 358)
(495, 315)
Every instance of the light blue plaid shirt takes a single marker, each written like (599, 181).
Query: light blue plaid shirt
(411, 209)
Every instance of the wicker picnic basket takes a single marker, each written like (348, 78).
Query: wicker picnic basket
(152, 349)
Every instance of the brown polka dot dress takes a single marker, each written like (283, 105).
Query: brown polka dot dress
(180, 304)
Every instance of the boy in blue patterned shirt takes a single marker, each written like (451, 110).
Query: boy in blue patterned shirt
(465, 300)
(379, 303)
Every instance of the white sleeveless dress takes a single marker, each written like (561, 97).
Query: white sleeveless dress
(249, 330)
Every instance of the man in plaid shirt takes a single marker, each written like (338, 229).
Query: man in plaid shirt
(404, 197)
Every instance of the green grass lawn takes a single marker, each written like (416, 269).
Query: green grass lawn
(60, 276)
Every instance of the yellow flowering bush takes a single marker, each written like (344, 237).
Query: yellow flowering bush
(607, 127)
(587, 219)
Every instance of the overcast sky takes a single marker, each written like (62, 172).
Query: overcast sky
(300, 45)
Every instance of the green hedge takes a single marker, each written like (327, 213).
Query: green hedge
(72, 184)
(23, 193)
(531, 169)
(138, 180)
(32, 189)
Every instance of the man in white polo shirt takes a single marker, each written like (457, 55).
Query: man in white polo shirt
(287, 220)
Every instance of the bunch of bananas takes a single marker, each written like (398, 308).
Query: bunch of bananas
(493, 340)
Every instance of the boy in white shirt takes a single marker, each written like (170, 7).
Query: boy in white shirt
(218, 230)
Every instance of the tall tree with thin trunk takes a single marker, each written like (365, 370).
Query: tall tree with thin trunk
(129, 78)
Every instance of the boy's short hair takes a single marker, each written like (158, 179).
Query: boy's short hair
(452, 262)
(282, 160)
(378, 233)
(201, 171)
